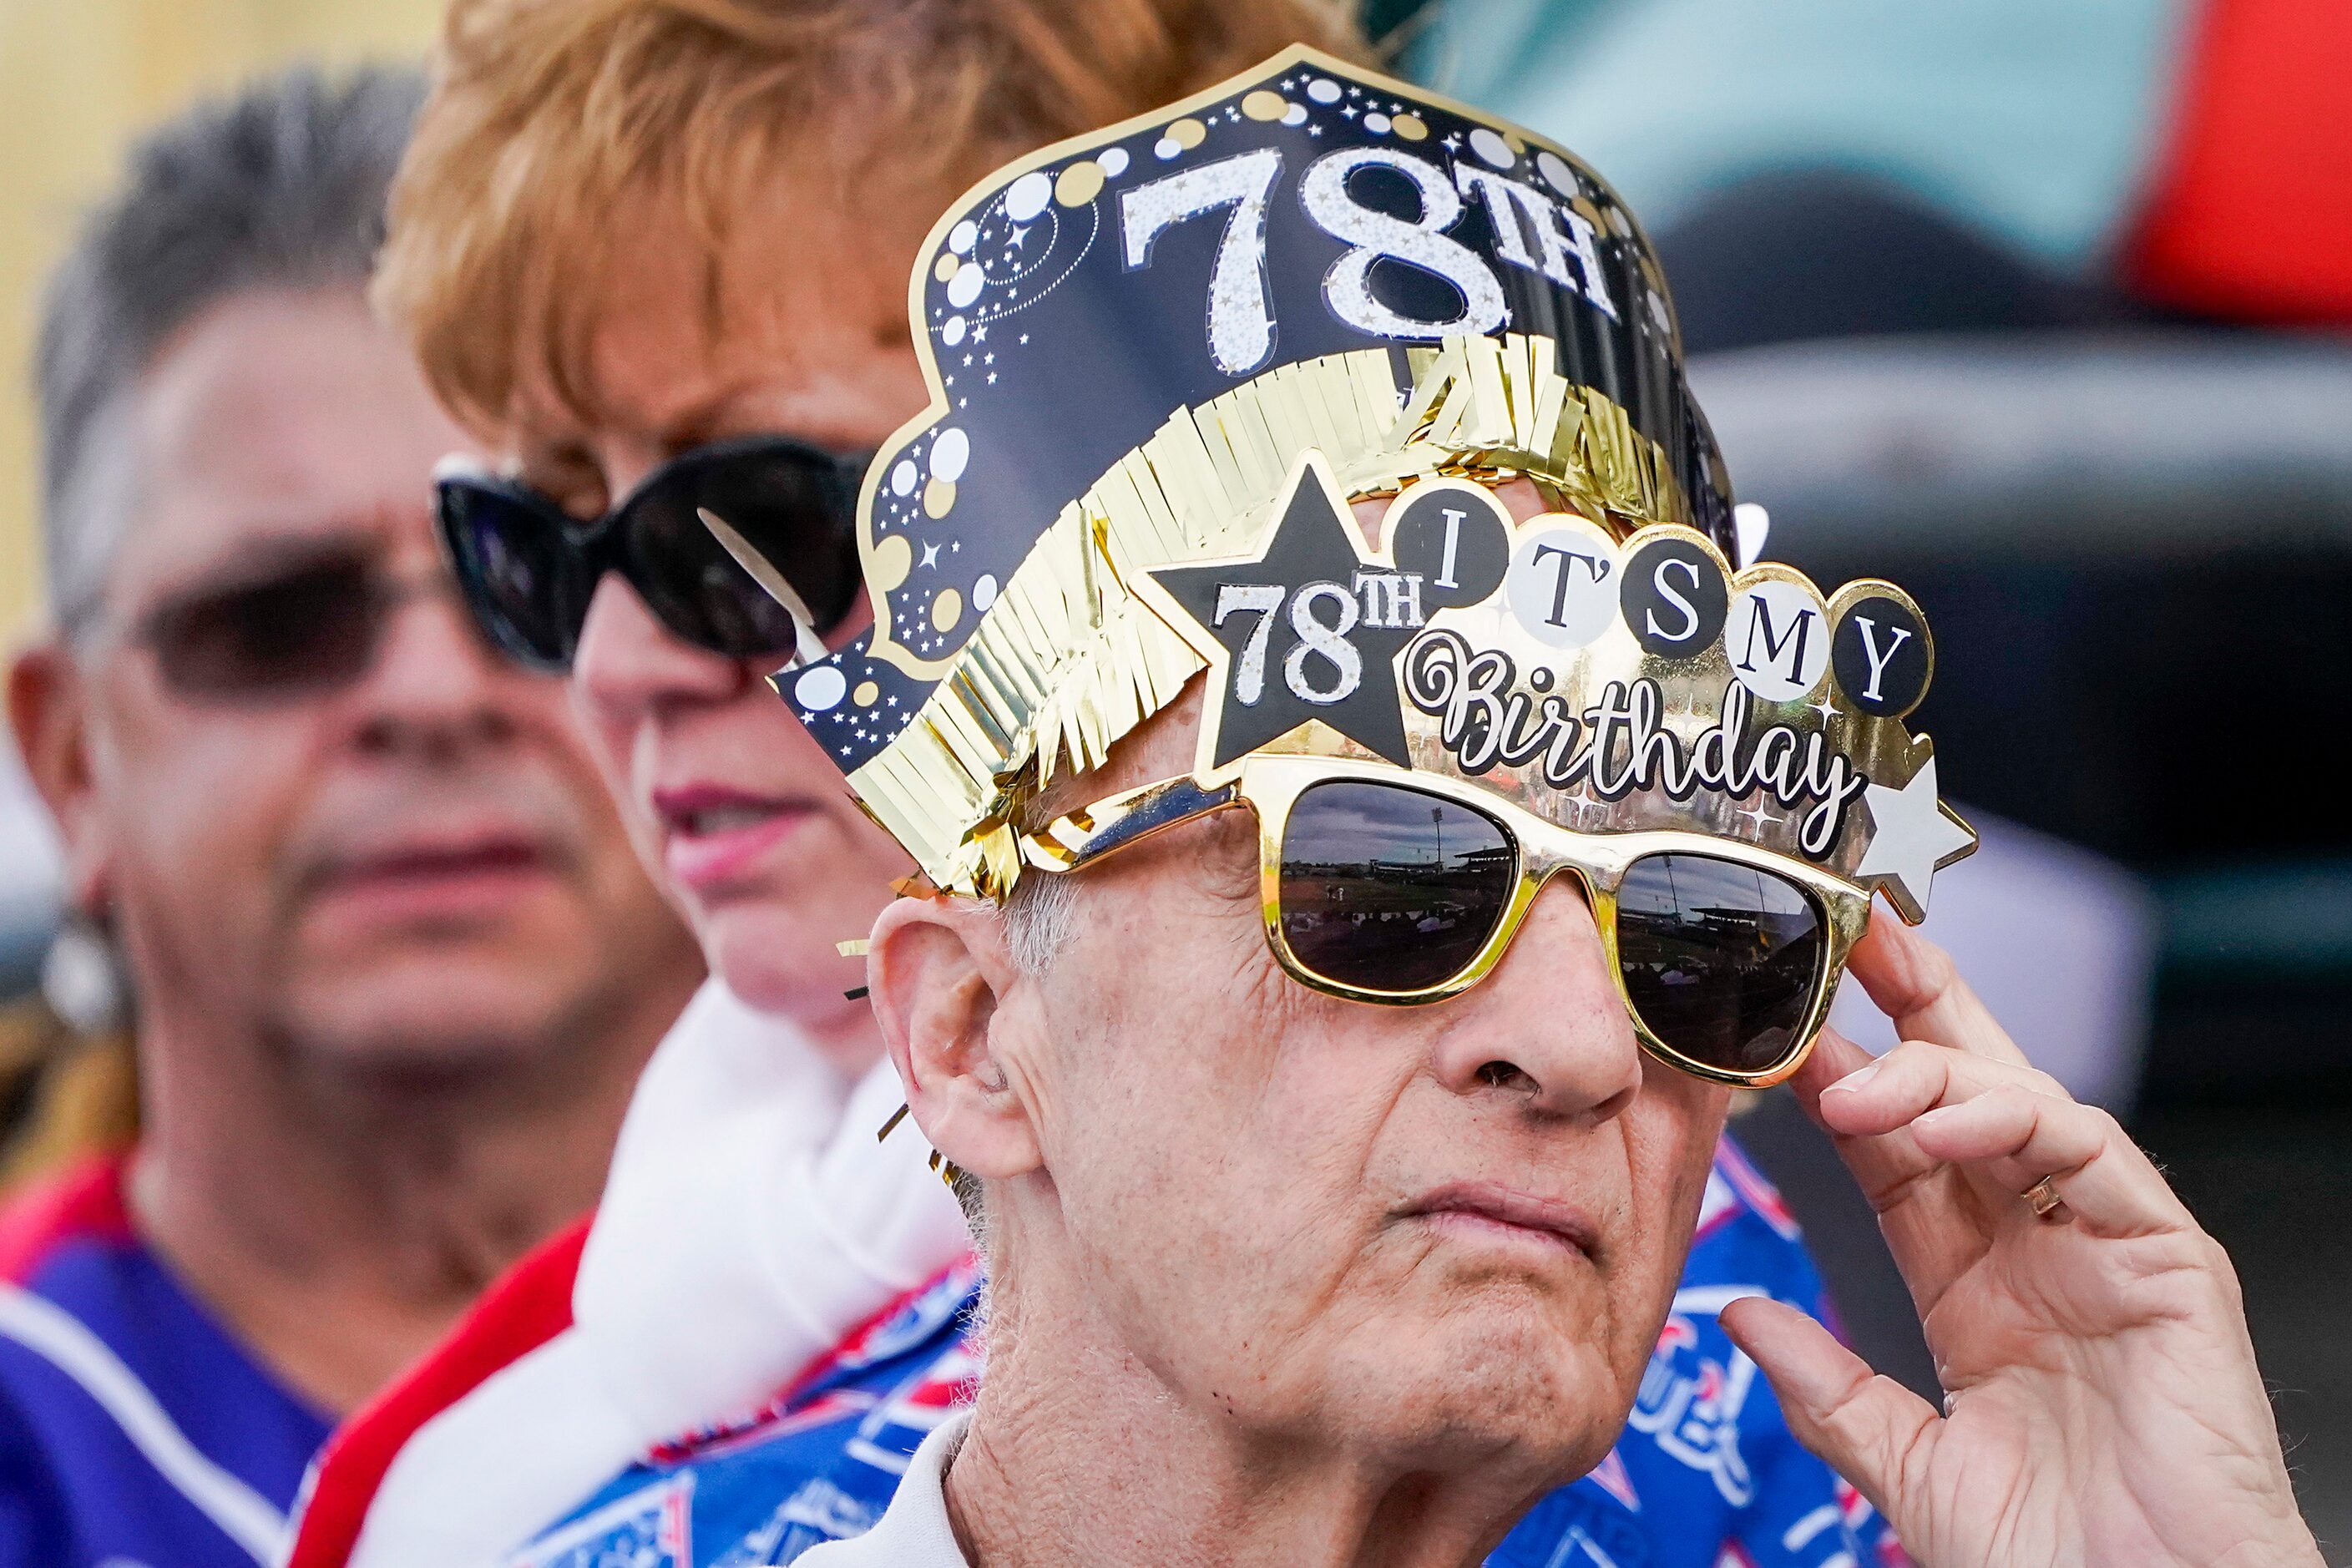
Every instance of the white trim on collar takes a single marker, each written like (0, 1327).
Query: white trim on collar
(913, 1531)
(66, 1343)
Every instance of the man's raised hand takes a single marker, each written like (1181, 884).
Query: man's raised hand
(2102, 1407)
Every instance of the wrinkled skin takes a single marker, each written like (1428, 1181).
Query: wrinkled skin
(2103, 1404)
(1303, 1281)
(1391, 1265)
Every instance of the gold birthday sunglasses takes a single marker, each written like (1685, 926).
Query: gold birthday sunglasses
(1379, 889)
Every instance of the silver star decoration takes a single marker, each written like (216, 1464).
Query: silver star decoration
(1758, 814)
(931, 554)
(1825, 708)
(1017, 239)
(1912, 836)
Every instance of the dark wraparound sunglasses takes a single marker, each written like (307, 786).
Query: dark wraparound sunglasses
(1381, 890)
(528, 569)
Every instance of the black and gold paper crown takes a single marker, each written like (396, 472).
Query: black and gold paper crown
(1143, 346)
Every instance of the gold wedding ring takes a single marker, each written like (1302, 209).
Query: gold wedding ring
(2044, 1199)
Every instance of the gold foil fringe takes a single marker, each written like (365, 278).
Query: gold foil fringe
(1067, 660)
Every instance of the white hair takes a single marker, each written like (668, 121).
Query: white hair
(1038, 921)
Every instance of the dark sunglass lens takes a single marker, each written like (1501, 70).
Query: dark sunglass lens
(793, 504)
(310, 628)
(1389, 888)
(1721, 960)
(521, 575)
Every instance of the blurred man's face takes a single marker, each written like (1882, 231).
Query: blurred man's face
(417, 865)
(740, 814)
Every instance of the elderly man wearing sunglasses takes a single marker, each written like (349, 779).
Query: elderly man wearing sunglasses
(1368, 823)
(394, 967)
(637, 434)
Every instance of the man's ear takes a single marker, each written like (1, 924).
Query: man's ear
(938, 970)
(48, 711)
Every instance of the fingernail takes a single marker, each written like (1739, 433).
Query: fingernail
(1854, 1079)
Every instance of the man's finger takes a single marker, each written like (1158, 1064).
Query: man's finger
(1833, 1058)
(1871, 1429)
(1932, 1242)
(2018, 1138)
(1886, 1095)
(1879, 1163)
(1914, 984)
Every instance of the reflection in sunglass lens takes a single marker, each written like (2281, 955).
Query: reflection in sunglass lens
(1387, 889)
(795, 507)
(1721, 960)
(309, 629)
(521, 577)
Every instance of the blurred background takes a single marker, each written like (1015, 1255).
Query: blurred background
(2036, 309)
(77, 83)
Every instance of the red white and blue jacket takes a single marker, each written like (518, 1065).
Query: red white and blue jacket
(134, 1430)
(1706, 1473)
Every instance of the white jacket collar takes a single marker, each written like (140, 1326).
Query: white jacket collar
(914, 1532)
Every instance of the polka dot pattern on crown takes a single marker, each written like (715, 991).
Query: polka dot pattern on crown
(1063, 317)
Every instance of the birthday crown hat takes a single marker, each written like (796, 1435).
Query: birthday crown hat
(1173, 342)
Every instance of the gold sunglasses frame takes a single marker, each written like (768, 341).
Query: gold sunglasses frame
(1271, 784)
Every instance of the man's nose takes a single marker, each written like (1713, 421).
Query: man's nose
(1548, 1025)
(629, 664)
(435, 685)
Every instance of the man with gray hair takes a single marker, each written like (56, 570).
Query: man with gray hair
(394, 967)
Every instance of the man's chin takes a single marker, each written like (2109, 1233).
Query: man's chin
(463, 1011)
(780, 956)
(1515, 1374)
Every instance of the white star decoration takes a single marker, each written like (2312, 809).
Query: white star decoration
(1910, 835)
